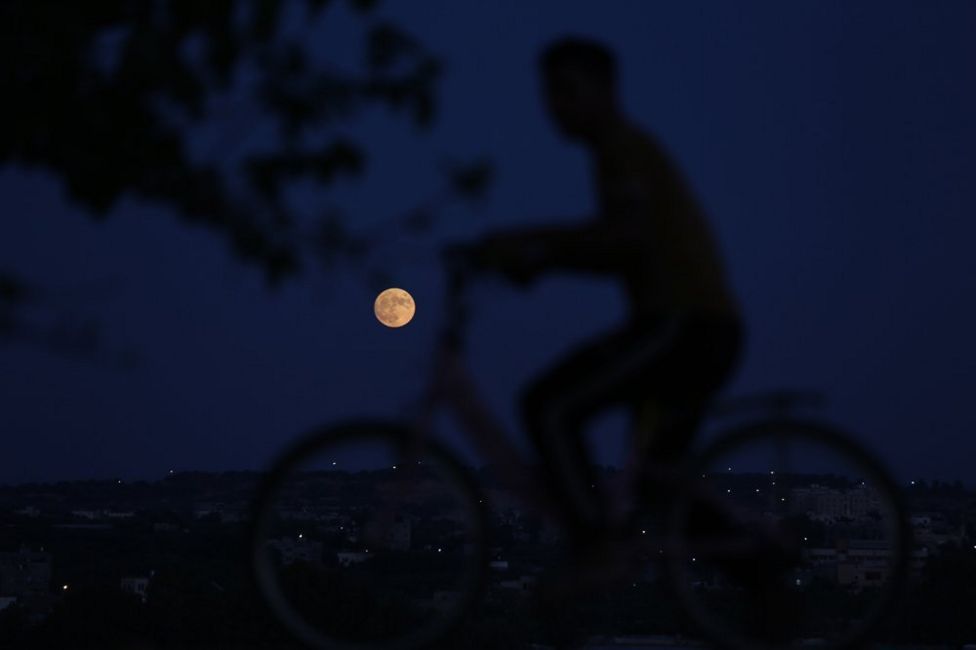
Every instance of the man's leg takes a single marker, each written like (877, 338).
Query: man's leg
(682, 382)
(689, 373)
(557, 407)
(676, 392)
(556, 430)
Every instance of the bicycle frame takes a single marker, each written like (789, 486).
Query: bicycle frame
(451, 386)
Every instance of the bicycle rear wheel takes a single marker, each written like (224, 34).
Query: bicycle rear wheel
(365, 539)
(788, 532)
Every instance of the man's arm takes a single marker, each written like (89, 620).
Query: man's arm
(598, 246)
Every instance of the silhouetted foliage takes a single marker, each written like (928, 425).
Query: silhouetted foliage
(106, 96)
(112, 98)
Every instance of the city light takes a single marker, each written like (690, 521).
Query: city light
(818, 503)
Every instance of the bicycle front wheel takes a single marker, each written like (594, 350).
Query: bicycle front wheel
(787, 533)
(364, 538)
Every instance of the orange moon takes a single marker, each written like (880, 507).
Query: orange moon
(394, 307)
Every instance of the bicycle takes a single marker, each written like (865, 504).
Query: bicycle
(714, 572)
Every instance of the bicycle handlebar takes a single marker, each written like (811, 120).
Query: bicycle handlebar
(460, 266)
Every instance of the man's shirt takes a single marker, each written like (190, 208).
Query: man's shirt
(673, 263)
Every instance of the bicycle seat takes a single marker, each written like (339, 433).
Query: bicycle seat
(778, 401)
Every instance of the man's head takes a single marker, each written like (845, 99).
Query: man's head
(580, 82)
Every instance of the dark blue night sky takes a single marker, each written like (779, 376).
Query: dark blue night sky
(833, 145)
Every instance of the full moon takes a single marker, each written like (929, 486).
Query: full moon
(394, 307)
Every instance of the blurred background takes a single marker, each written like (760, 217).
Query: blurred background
(201, 202)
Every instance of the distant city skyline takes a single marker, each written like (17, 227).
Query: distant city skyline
(922, 482)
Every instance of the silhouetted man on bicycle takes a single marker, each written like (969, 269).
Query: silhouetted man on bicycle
(682, 338)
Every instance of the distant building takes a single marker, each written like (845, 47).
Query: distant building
(830, 504)
(118, 514)
(859, 563)
(25, 573)
(87, 514)
(934, 529)
(137, 586)
(444, 600)
(523, 583)
(393, 536)
(93, 515)
(550, 533)
(921, 521)
(206, 509)
(643, 643)
(398, 536)
(297, 550)
(345, 558)
(232, 516)
(226, 513)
